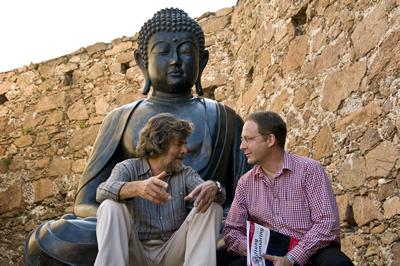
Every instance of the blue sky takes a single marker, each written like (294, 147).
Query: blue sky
(35, 31)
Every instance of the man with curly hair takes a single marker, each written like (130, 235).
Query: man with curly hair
(142, 219)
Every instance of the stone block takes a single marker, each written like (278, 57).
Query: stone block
(345, 212)
(5, 87)
(95, 71)
(24, 141)
(369, 31)
(51, 102)
(223, 11)
(115, 68)
(391, 207)
(54, 118)
(339, 85)
(396, 254)
(324, 144)
(216, 24)
(362, 116)
(65, 68)
(265, 59)
(47, 69)
(77, 111)
(41, 139)
(83, 137)
(11, 199)
(17, 163)
(59, 166)
(365, 211)
(387, 61)
(43, 189)
(97, 47)
(125, 57)
(381, 160)
(347, 247)
(78, 165)
(352, 174)
(133, 72)
(23, 80)
(31, 120)
(370, 139)
(298, 50)
(123, 46)
(280, 101)
(251, 94)
(101, 105)
(6, 125)
(78, 77)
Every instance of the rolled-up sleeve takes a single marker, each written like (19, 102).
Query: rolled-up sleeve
(110, 188)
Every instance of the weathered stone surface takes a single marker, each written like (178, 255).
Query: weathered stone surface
(41, 139)
(345, 212)
(78, 77)
(43, 189)
(391, 207)
(365, 211)
(339, 85)
(97, 47)
(51, 102)
(298, 49)
(129, 97)
(95, 71)
(24, 141)
(17, 163)
(280, 101)
(358, 241)
(65, 68)
(47, 69)
(370, 139)
(381, 160)
(387, 62)
(360, 117)
(123, 46)
(31, 120)
(347, 247)
(396, 254)
(77, 111)
(265, 58)
(329, 57)
(373, 247)
(5, 87)
(101, 105)
(83, 137)
(6, 125)
(324, 143)
(23, 80)
(54, 118)
(115, 68)
(59, 166)
(251, 95)
(223, 11)
(125, 57)
(369, 32)
(216, 24)
(353, 172)
(42, 163)
(11, 199)
(386, 190)
(133, 73)
(78, 165)
(210, 85)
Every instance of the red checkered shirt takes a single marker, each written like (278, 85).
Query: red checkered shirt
(300, 204)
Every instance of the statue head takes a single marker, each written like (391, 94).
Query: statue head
(171, 52)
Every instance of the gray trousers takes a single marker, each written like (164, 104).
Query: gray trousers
(194, 243)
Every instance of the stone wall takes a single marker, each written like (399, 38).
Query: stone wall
(330, 68)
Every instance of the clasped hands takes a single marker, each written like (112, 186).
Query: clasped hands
(151, 189)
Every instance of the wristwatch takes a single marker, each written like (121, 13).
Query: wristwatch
(219, 187)
(292, 261)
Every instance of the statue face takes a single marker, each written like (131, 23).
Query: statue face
(173, 61)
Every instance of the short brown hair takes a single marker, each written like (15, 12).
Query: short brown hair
(160, 131)
(269, 122)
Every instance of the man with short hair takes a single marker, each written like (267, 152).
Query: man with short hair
(284, 192)
(142, 217)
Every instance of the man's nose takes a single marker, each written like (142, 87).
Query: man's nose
(184, 149)
(243, 145)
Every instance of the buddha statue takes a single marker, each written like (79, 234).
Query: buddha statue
(172, 56)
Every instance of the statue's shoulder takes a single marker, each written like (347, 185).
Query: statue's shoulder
(122, 111)
(213, 106)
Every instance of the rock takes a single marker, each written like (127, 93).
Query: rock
(65, 68)
(123, 46)
(298, 49)
(381, 160)
(101, 105)
(391, 207)
(369, 32)
(78, 165)
(279, 102)
(324, 143)
(5, 87)
(265, 59)
(77, 111)
(51, 102)
(6, 125)
(31, 120)
(385, 191)
(352, 174)
(373, 247)
(11, 199)
(43, 189)
(339, 85)
(59, 166)
(370, 139)
(97, 47)
(396, 254)
(347, 247)
(23, 141)
(47, 69)
(95, 71)
(54, 118)
(345, 212)
(365, 211)
(216, 24)
(41, 139)
(125, 57)
(362, 116)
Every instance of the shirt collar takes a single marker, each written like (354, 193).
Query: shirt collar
(146, 168)
(286, 165)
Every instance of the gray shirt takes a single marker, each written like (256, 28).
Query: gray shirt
(152, 221)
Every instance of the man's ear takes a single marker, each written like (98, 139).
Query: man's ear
(202, 64)
(271, 140)
(141, 64)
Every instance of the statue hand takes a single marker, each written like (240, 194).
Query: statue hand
(205, 193)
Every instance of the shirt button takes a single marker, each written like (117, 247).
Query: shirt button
(160, 218)
(277, 213)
